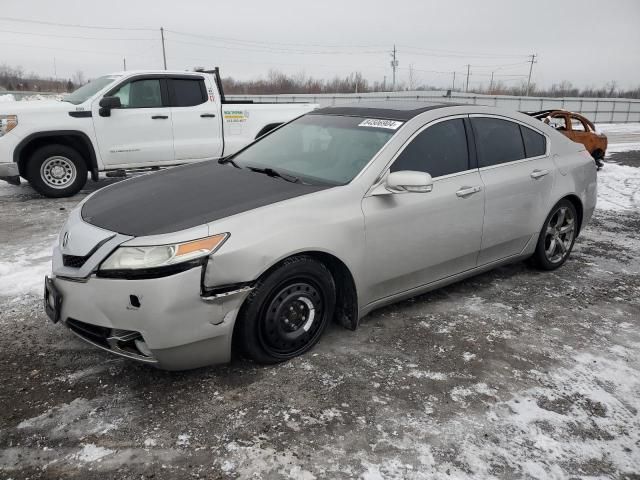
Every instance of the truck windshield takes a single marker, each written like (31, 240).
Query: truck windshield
(89, 90)
(325, 149)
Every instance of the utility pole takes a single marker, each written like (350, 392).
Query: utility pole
(468, 72)
(491, 83)
(453, 84)
(124, 64)
(533, 60)
(384, 84)
(394, 65)
(164, 52)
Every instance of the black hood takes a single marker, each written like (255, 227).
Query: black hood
(184, 197)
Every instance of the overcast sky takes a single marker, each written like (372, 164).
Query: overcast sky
(585, 42)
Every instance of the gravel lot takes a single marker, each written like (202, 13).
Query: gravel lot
(511, 374)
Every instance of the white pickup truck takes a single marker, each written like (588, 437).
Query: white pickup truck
(128, 120)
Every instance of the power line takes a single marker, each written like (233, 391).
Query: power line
(73, 25)
(68, 49)
(270, 49)
(73, 36)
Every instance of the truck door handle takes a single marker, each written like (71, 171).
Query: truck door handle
(208, 115)
(159, 117)
(539, 173)
(466, 191)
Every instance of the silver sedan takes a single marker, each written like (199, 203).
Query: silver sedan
(328, 217)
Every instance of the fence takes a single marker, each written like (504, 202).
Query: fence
(598, 110)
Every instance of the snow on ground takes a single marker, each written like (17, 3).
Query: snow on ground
(23, 272)
(619, 185)
(619, 188)
(8, 97)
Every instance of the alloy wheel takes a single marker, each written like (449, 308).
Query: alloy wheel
(559, 234)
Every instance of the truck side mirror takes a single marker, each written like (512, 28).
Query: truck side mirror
(107, 103)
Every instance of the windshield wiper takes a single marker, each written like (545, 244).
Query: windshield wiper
(230, 160)
(274, 173)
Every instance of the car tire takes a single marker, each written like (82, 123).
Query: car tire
(56, 171)
(287, 311)
(557, 236)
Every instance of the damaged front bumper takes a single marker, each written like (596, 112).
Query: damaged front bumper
(161, 321)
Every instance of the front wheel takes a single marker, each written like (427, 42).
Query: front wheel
(56, 171)
(557, 236)
(287, 311)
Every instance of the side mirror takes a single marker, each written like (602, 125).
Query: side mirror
(107, 103)
(407, 181)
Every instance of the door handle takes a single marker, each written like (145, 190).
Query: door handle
(539, 173)
(208, 115)
(466, 191)
(159, 117)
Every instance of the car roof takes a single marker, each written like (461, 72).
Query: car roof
(387, 110)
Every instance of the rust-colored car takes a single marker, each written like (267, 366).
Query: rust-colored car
(577, 128)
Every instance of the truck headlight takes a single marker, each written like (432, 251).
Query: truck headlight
(7, 123)
(158, 256)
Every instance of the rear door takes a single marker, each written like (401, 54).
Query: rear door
(140, 131)
(196, 119)
(517, 173)
(413, 239)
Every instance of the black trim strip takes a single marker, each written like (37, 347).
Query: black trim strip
(81, 114)
(471, 144)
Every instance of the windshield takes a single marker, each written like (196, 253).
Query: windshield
(89, 90)
(325, 149)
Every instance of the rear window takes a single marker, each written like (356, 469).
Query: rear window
(498, 141)
(188, 92)
(439, 150)
(535, 144)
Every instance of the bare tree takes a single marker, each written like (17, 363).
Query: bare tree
(78, 78)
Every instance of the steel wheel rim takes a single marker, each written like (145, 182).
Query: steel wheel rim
(58, 172)
(292, 318)
(559, 234)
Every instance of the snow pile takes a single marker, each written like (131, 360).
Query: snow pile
(7, 98)
(24, 272)
(619, 188)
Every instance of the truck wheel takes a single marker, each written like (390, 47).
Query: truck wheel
(56, 171)
(287, 311)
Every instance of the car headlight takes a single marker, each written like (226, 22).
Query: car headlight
(157, 256)
(7, 123)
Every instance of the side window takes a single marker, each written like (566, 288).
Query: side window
(188, 92)
(577, 125)
(535, 144)
(439, 150)
(497, 141)
(140, 94)
(559, 123)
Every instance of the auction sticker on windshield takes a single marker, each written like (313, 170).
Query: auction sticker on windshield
(378, 123)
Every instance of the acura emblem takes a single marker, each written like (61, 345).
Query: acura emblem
(65, 239)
